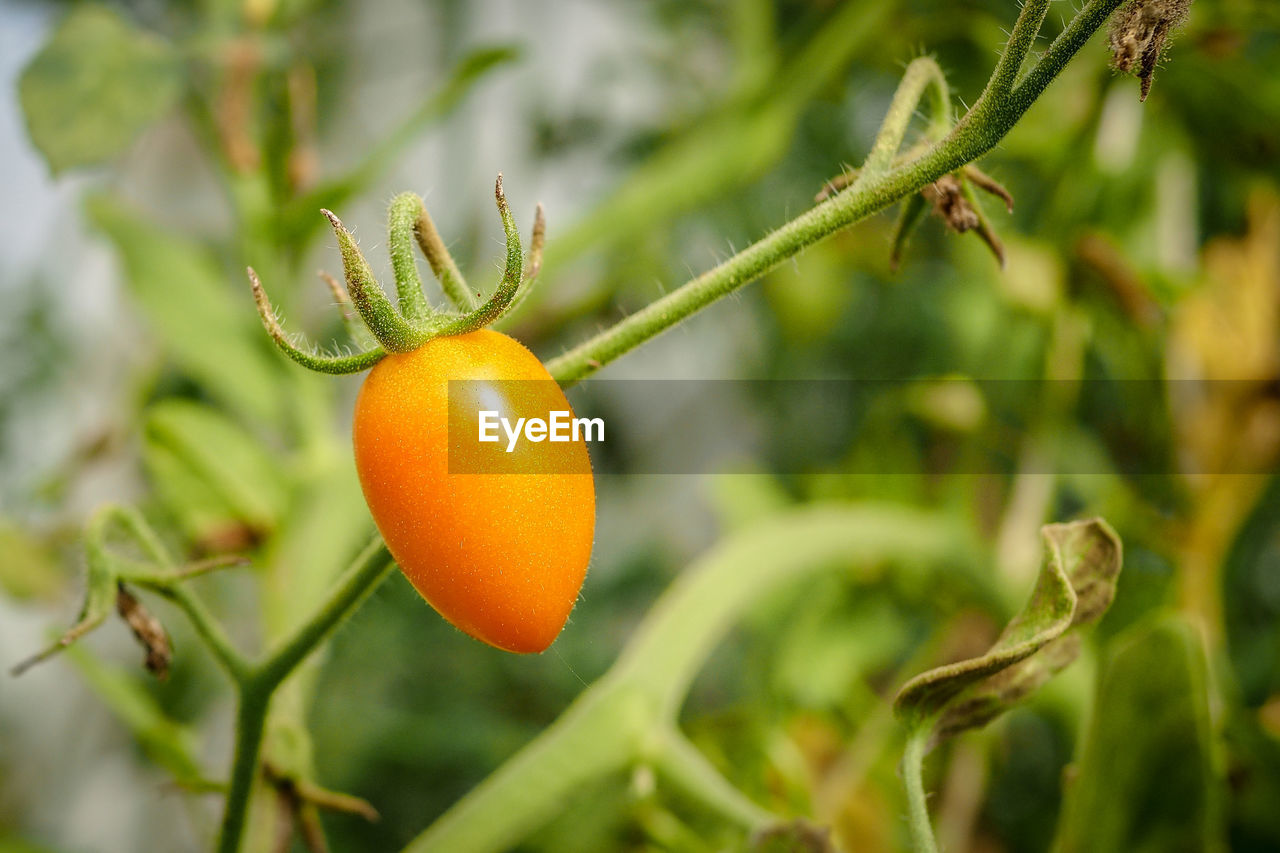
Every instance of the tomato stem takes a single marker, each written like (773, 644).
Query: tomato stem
(258, 684)
(1004, 100)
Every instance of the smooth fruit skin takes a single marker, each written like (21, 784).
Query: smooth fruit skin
(500, 555)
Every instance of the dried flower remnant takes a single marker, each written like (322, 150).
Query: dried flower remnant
(952, 198)
(1139, 32)
(946, 195)
(148, 631)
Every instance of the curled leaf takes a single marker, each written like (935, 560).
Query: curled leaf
(1075, 587)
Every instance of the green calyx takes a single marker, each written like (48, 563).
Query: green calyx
(411, 321)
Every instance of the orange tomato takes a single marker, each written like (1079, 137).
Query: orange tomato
(500, 555)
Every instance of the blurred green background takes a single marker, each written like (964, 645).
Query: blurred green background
(157, 148)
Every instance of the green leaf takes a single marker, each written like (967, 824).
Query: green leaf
(95, 85)
(1145, 780)
(1075, 587)
(220, 474)
(327, 525)
(29, 569)
(209, 333)
(166, 742)
(301, 218)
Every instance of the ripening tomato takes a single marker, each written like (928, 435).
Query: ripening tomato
(500, 555)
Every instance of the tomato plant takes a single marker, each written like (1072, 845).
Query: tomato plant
(826, 588)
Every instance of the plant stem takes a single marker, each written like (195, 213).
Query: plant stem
(682, 764)
(356, 584)
(258, 684)
(912, 777)
(997, 110)
(208, 628)
(1024, 33)
(922, 74)
(251, 719)
(1065, 46)
(741, 269)
(629, 715)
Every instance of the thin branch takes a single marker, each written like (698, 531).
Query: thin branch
(923, 74)
(226, 654)
(682, 764)
(984, 125)
(256, 688)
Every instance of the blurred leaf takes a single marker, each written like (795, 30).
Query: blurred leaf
(741, 500)
(210, 470)
(1075, 587)
(301, 218)
(200, 512)
(1251, 606)
(327, 525)
(165, 741)
(211, 335)
(28, 569)
(18, 845)
(1228, 330)
(1145, 779)
(95, 85)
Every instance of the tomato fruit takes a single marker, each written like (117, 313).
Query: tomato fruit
(500, 555)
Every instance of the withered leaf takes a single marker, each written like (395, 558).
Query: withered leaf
(1075, 587)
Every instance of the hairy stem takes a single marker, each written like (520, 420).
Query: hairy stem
(912, 777)
(402, 218)
(923, 74)
(442, 264)
(1002, 103)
